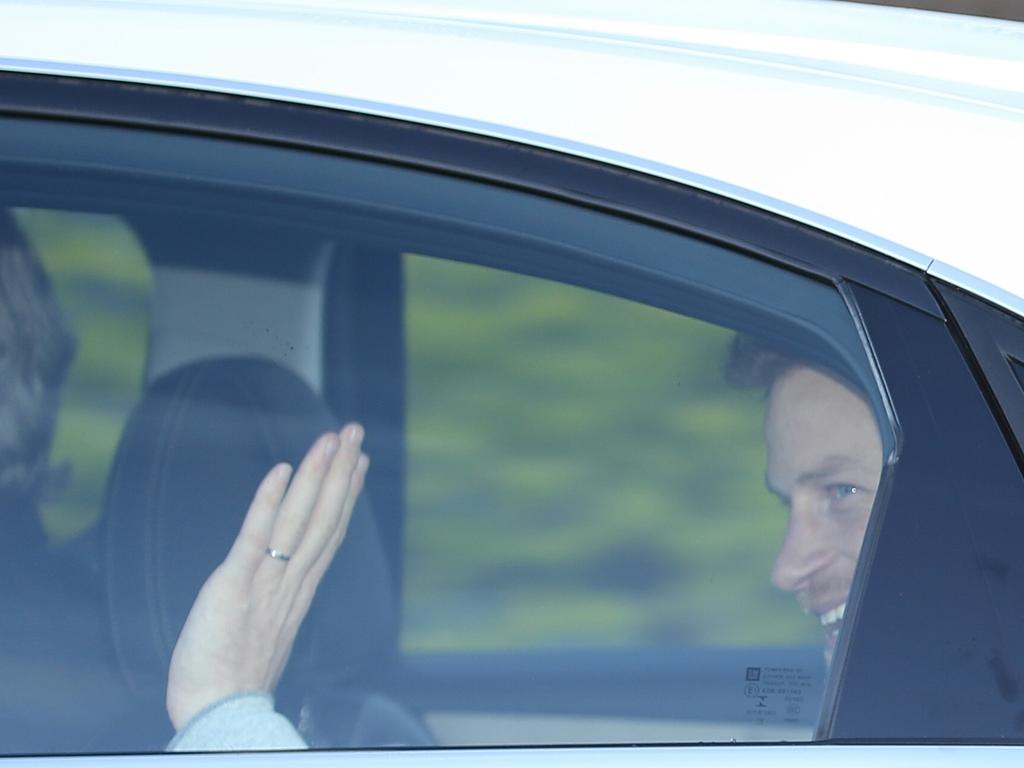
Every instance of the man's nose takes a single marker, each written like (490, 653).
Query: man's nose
(800, 554)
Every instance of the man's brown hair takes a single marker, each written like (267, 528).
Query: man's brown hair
(753, 364)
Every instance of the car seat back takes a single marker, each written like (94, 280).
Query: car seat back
(189, 461)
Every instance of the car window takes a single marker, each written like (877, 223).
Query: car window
(570, 435)
(620, 476)
(587, 503)
(103, 284)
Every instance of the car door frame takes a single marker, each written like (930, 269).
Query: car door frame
(884, 295)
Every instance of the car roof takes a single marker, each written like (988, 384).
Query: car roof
(898, 129)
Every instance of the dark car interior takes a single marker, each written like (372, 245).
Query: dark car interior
(274, 315)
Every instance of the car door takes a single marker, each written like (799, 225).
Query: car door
(651, 469)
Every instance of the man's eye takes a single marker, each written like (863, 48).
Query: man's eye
(840, 491)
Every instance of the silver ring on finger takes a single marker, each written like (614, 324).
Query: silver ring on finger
(277, 554)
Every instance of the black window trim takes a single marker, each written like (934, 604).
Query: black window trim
(589, 183)
(993, 342)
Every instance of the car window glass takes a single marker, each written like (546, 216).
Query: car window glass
(580, 473)
(619, 477)
(585, 483)
(103, 284)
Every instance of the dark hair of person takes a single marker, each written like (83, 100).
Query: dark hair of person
(754, 364)
(36, 350)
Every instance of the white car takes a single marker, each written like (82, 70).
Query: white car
(688, 339)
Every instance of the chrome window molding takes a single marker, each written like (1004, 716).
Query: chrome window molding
(949, 274)
(975, 285)
(956, 277)
(891, 249)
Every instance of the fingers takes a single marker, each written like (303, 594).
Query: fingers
(297, 579)
(250, 545)
(335, 501)
(326, 555)
(311, 579)
(305, 520)
(299, 502)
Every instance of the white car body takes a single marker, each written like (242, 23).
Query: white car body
(898, 130)
(901, 130)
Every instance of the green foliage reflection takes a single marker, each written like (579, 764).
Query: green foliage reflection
(102, 280)
(579, 473)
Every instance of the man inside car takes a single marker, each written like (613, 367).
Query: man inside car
(824, 462)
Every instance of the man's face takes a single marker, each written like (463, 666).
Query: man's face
(824, 462)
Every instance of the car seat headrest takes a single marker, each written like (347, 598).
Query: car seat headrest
(189, 461)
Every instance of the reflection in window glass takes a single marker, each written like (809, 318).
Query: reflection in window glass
(103, 284)
(580, 473)
(619, 478)
(594, 490)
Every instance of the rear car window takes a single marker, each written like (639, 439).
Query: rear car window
(620, 476)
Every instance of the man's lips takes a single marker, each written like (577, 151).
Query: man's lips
(832, 621)
(828, 606)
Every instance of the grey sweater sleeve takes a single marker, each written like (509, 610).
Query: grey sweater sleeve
(243, 721)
